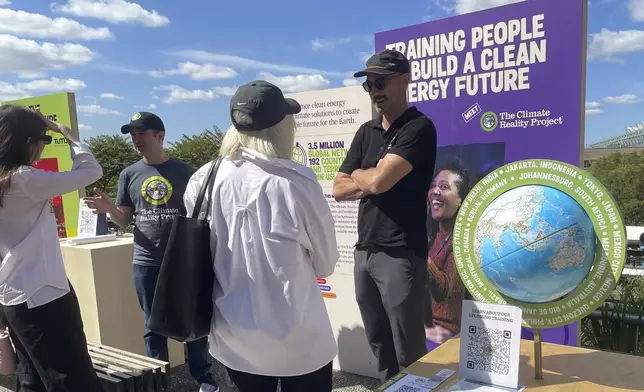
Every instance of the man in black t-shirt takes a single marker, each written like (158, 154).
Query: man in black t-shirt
(389, 168)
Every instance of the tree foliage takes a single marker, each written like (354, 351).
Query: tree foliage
(114, 153)
(197, 150)
(623, 176)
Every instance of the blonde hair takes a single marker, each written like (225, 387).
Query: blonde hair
(275, 142)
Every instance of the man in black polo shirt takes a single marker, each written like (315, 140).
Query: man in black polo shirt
(389, 168)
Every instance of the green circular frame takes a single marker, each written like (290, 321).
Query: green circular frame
(150, 200)
(595, 200)
(496, 121)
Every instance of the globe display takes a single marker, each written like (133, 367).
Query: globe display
(535, 243)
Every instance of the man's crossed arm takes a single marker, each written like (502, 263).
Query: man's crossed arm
(390, 169)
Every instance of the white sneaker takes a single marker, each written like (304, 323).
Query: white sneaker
(208, 388)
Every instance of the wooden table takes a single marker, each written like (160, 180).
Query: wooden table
(565, 368)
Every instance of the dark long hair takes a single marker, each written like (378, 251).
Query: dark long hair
(17, 125)
(464, 184)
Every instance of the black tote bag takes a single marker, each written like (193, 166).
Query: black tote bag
(182, 307)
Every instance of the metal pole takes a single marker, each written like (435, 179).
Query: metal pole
(538, 365)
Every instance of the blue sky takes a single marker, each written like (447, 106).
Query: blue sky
(183, 59)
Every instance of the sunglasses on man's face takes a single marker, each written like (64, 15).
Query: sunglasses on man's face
(380, 84)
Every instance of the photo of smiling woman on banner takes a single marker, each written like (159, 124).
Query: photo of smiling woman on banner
(448, 190)
(458, 168)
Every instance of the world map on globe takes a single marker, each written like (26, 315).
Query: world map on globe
(535, 243)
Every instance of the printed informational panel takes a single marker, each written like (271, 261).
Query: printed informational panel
(501, 85)
(325, 128)
(56, 156)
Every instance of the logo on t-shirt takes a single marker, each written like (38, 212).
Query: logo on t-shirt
(156, 190)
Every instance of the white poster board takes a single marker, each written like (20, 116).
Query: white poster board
(325, 129)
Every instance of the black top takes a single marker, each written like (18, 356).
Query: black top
(397, 217)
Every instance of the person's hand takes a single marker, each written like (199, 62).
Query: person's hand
(100, 204)
(54, 126)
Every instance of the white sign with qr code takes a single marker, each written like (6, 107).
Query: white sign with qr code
(490, 343)
(87, 220)
(412, 383)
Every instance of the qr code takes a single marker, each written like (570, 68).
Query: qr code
(87, 220)
(409, 388)
(488, 350)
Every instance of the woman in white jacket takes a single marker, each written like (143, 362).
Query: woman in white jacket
(272, 235)
(38, 302)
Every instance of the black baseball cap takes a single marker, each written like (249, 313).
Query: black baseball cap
(263, 103)
(385, 62)
(143, 121)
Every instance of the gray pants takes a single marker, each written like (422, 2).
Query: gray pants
(389, 290)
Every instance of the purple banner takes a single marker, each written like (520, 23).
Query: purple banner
(502, 85)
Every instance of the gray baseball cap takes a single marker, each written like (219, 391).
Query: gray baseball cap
(263, 103)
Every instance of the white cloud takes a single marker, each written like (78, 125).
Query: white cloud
(446, 6)
(151, 106)
(40, 26)
(350, 82)
(637, 10)
(246, 63)
(329, 43)
(334, 42)
(198, 71)
(607, 44)
(23, 56)
(10, 91)
(466, 6)
(594, 112)
(364, 56)
(296, 83)
(32, 75)
(96, 109)
(113, 11)
(225, 91)
(53, 84)
(177, 94)
(111, 96)
(120, 69)
(593, 108)
(5, 2)
(625, 99)
(84, 127)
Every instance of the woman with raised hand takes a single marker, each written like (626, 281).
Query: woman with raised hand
(39, 304)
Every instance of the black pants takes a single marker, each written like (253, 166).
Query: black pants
(389, 290)
(51, 348)
(320, 380)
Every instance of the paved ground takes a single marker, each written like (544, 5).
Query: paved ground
(181, 382)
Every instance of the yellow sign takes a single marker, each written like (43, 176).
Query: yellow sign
(56, 156)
